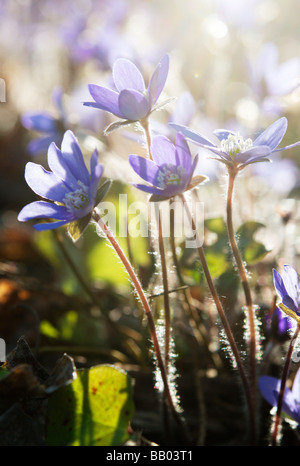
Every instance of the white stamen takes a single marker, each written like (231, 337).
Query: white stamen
(170, 174)
(235, 144)
(76, 200)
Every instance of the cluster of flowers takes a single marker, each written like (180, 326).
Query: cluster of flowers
(71, 192)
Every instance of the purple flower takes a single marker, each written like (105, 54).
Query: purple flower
(71, 191)
(236, 151)
(51, 127)
(287, 287)
(278, 325)
(271, 80)
(270, 388)
(170, 172)
(132, 100)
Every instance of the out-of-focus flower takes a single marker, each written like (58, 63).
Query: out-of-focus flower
(51, 127)
(280, 169)
(270, 388)
(236, 151)
(71, 191)
(288, 289)
(170, 172)
(278, 325)
(272, 80)
(132, 100)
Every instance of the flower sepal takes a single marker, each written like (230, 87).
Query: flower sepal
(102, 191)
(116, 125)
(196, 180)
(75, 229)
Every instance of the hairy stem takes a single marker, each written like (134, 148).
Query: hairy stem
(145, 125)
(224, 321)
(138, 287)
(245, 283)
(284, 378)
(167, 310)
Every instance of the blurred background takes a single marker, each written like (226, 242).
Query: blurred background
(233, 64)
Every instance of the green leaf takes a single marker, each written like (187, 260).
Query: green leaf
(216, 225)
(95, 409)
(252, 250)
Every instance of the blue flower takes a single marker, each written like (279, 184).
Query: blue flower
(234, 150)
(69, 191)
(270, 388)
(50, 127)
(132, 100)
(288, 289)
(170, 172)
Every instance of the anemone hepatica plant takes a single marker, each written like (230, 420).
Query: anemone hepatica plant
(170, 172)
(131, 99)
(234, 150)
(71, 191)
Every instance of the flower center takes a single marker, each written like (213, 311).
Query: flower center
(234, 144)
(76, 200)
(170, 174)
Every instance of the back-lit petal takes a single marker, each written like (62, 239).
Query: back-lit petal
(133, 105)
(105, 99)
(127, 76)
(158, 80)
(273, 135)
(44, 183)
(145, 168)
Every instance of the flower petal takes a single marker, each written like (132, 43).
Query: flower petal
(73, 158)
(252, 154)
(96, 174)
(42, 209)
(39, 145)
(50, 226)
(183, 154)
(273, 134)
(44, 183)
(127, 76)
(58, 166)
(145, 168)
(39, 122)
(280, 286)
(291, 281)
(192, 169)
(133, 105)
(105, 99)
(290, 146)
(223, 134)
(270, 388)
(192, 135)
(149, 189)
(296, 385)
(158, 80)
(163, 150)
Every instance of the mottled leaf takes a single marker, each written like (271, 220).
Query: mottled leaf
(252, 250)
(95, 409)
